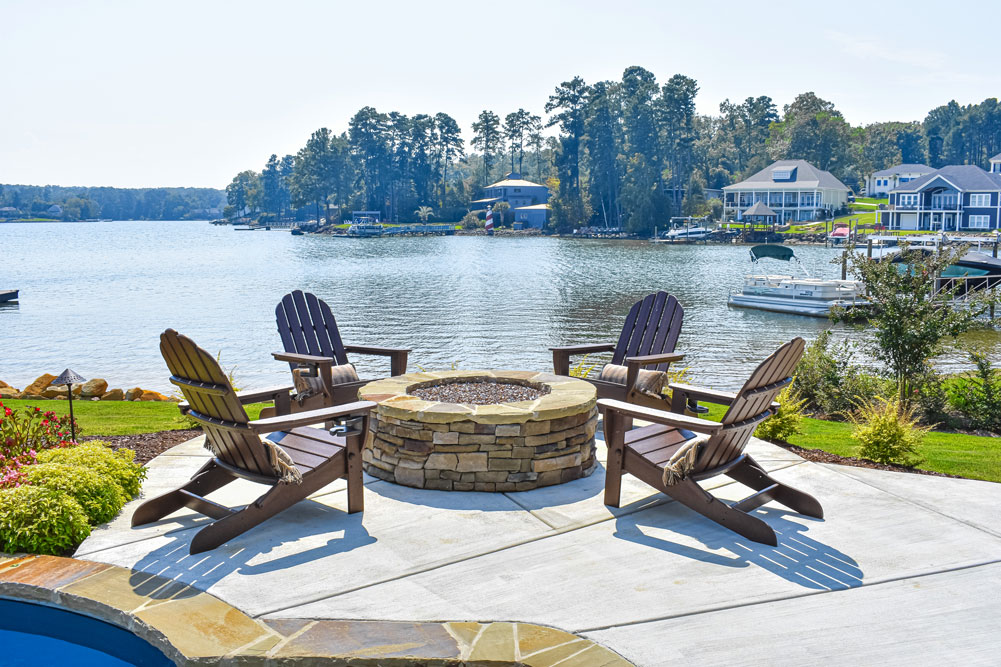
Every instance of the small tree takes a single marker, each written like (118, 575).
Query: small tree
(910, 312)
(500, 209)
(424, 212)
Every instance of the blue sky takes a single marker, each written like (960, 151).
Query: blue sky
(188, 93)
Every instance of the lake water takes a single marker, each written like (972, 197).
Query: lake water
(95, 297)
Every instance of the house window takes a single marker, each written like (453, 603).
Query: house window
(905, 179)
(979, 222)
(907, 200)
(980, 200)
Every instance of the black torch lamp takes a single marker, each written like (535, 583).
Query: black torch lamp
(69, 378)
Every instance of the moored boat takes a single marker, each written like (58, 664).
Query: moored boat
(8, 295)
(815, 297)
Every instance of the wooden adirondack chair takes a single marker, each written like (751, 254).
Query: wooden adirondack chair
(293, 460)
(670, 456)
(648, 338)
(316, 355)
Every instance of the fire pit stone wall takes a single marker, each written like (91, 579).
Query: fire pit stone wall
(495, 447)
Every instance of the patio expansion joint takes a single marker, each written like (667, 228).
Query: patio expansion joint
(795, 596)
(927, 507)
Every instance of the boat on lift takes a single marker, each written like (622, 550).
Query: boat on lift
(795, 295)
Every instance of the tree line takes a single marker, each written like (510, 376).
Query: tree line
(85, 203)
(625, 153)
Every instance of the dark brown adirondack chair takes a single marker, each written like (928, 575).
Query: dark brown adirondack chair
(672, 457)
(642, 355)
(318, 359)
(295, 461)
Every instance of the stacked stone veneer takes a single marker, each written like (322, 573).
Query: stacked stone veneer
(461, 447)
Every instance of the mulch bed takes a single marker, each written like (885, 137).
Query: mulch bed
(820, 456)
(478, 393)
(147, 446)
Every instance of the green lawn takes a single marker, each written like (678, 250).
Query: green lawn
(969, 456)
(122, 417)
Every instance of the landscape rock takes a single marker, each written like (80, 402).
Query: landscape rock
(3, 384)
(95, 387)
(54, 392)
(39, 385)
(9, 392)
(133, 394)
(150, 395)
(113, 395)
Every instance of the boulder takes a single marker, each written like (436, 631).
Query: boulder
(150, 395)
(113, 395)
(40, 383)
(95, 387)
(133, 394)
(9, 392)
(54, 392)
(3, 384)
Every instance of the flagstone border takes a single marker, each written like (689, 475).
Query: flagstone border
(192, 627)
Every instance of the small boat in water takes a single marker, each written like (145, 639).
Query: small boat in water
(365, 229)
(788, 294)
(8, 295)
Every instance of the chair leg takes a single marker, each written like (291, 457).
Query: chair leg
(751, 474)
(208, 478)
(352, 452)
(694, 497)
(615, 427)
(278, 498)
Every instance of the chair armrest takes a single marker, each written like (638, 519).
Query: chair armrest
(561, 355)
(397, 356)
(660, 416)
(267, 393)
(308, 359)
(283, 422)
(704, 394)
(651, 359)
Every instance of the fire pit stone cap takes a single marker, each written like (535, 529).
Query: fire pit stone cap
(568, 396)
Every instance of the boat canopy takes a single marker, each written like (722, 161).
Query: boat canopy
(772, 251)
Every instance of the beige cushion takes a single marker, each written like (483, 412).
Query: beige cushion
(650, 383)
(312, 384)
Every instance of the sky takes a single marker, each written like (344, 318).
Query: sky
(182, 93)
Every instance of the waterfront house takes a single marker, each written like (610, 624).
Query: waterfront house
(880, 183)
(8, 212)
(956, 198)
(795, 189)
(54, 211)
(528, 200)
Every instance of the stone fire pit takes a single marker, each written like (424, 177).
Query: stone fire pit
(506, 430)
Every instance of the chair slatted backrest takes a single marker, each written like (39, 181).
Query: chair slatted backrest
(307, 326)
(652, 327)
(752, 406)
(214, 404)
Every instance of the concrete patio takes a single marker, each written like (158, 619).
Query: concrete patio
(905, 569)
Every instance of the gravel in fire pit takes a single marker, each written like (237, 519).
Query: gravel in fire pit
(479, 392)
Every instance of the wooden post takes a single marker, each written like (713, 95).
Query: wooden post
(868, 248)
(844, 265)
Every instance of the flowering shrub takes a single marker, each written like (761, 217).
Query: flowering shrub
(31, 429)
(40, 520)
(96, 455)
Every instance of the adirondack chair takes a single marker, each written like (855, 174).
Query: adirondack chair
(648, 338)
(316, 355)
(295, 461)
(677, 451)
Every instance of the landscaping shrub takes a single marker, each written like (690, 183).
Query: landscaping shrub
(40, 520)
(931, 398)
(829, 382)
(887, 431)
(978, 398)
(100, 497)
(96, 455)
(787, 420)
(471, 221)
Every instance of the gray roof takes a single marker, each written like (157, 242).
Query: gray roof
(965, 177)
(996, 158)
(807, 176)
(905, 169)
(759, 209)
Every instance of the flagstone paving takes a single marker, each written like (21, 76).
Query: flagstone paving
(903, 569)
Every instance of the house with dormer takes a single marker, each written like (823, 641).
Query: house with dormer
(795, 189)
(528, 200)
(956, 198)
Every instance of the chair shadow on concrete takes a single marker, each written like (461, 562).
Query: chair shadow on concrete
(798, 558)
(281, 534)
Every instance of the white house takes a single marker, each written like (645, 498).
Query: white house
(528, 200)
(794, 189)
(996, 164)
(881, 182)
